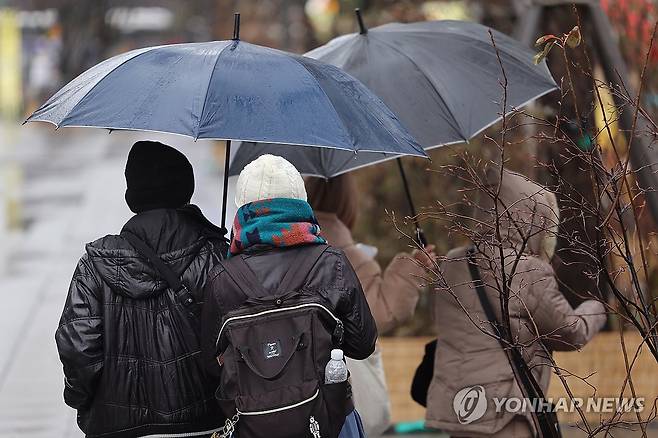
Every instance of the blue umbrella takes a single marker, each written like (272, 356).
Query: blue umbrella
(230, 90)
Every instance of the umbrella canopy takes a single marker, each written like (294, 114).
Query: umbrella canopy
(230, 90)
(442, 79)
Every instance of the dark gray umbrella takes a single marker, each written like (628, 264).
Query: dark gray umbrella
(442, 79)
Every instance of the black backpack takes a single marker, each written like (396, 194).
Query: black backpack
(273, 350)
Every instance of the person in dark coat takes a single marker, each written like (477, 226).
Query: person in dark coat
(274, 222)
(130, 349)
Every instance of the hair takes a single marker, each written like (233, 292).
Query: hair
(336, 195)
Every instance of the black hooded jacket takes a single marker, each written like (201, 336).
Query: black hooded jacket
(130, 350)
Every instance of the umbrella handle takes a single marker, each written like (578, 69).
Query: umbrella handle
(420, 234)
(227, 159)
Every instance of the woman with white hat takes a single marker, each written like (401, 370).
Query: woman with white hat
(275, 310)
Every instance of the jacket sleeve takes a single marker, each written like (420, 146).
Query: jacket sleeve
(360, 328)
(79, 336)
(393, 296)
(561, 326)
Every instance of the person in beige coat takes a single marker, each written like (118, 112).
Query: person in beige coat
(541, 318)
(392, 294)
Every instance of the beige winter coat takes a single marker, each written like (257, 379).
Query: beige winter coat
(392, 297)
(465, 356)
(393, 294)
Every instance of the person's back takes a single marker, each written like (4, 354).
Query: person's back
(331, 277)
(392, 294)
(128, 342)
(303, 298)
(540, 316)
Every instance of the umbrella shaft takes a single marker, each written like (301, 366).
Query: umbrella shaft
(420, 234)
(227, 159)
(236, 26)
(407, 191)
(362, 27)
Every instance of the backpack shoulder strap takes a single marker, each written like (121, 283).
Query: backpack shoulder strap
(238, 270)
(183, 295)
(161, 267)
(301, 266)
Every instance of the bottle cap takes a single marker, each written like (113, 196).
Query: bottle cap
(337, 354)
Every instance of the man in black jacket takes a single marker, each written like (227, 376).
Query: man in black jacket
(128, 342)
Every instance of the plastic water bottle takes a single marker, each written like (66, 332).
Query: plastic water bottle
(336, 370)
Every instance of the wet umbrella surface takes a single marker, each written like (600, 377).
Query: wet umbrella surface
(442, 79)
(230, 90)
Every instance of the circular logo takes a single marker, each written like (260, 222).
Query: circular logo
(470, 404)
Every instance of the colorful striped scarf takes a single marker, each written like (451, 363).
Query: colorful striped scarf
(278, 222)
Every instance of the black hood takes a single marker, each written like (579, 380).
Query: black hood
(177, 235)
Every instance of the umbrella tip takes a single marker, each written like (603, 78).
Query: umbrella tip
(236, 26)
(362, 27)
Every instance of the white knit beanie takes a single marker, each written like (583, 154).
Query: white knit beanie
(269, 176)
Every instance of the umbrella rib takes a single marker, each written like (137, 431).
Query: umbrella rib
(102, 79)
(205, 98)
(461, 130)
(247, 140)
(514, 109)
